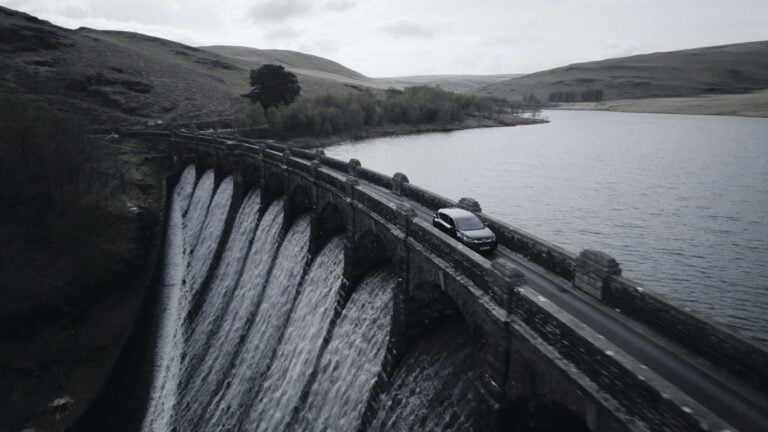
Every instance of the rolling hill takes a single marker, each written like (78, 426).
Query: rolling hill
(454, 83)
(119, 78)
(316, 75)
(727, 69)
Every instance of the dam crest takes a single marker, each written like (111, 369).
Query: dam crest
(300, 292)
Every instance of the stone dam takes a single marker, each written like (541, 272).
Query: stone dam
(297, 292)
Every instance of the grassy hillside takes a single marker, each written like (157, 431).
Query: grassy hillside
(454, 83)
(317, 75)
(727, 69)
(115, 77)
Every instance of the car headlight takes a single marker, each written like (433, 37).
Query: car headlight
(468, 239)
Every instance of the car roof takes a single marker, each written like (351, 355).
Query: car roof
(455, 212)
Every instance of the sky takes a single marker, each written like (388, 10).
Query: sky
(385, 38)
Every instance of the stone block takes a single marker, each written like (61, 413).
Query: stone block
(349, 185)
(353, 166)
(405, 214)
(470, 204)
(593, 268)
(397, 183)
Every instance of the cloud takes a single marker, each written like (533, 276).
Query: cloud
(340, 5)
(278, 10)
(171, 33)
(407, 29)
(282, 33)
(615, 48)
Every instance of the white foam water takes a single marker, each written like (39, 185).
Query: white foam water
(201, 382)
(296, 355)
(353, 359)
(210, 234)
(433, 388)
(169, 341)
(264, 336)
(225, 278)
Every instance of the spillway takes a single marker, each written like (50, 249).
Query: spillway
(433, 388)
(353, 360)
(262, 340)
(269, 336)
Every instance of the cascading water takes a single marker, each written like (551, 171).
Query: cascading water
(433, 388)
(200, 383)
(208, 239)
(353, 359)
(246, 358)
(301, 343)
(225, 278)
(194, 217)
(264, 335)
(169, 336)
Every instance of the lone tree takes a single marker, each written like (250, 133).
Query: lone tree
(272, 85)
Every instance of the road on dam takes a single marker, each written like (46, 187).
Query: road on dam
(734, 401)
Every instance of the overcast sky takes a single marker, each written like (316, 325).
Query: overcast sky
(409, 37)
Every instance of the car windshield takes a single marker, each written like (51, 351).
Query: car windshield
(469, 223)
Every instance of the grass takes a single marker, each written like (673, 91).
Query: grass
(746, 105)
(711, 71)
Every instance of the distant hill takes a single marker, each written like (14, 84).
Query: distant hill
(316, 74)
(727, 69)
(117, 77)
(454, 83)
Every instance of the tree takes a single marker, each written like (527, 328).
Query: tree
(45, 159)
(272, 85)
(592, 95)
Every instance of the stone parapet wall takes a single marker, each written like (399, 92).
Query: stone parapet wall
(639, 392)
(709, 339)
(488, 292)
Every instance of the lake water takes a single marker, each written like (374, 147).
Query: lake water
(680, 201)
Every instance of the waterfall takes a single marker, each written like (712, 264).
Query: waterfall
(224, 279)
(353, 359)
(261, 351)
(264, 335)
(208, 239)
(201, 382)
(433, 388)
(194, 217)
(297, 352)
(185, 268)
(169, 336)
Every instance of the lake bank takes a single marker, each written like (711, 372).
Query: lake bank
(742, 105)
(411, 129)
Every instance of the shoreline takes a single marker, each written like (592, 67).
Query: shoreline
(741, 105)
(411, 129)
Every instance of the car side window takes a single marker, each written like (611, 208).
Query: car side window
(449, 221)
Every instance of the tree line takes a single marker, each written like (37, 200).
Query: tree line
(341, 114)
(278, 110)
(588, 95)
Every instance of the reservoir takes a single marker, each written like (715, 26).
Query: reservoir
(681, 201)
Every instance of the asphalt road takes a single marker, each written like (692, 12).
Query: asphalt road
(736, 402)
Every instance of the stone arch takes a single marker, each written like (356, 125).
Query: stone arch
(300, 201)
(330, 220)
(273, 187)
(368, 251)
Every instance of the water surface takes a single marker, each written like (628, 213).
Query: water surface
(681, 201)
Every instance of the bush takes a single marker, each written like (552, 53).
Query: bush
(333, 114)
(45, 159)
